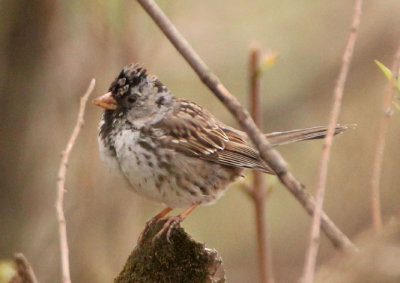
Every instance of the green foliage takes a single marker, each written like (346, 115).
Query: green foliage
(389, 75)
(396, 105)
(396, 83)
(384, 69)
(7, 271)
(267, 62)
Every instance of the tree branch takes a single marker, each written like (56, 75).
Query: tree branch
(258, 189)
(312, 252)
(380, 145)
(267, 153)
(176, 259)
(62, 226)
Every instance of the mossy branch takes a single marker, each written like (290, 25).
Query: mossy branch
(177, 259)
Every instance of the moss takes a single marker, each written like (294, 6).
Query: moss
(181, 259)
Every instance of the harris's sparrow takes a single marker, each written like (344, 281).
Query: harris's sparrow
(172, 150)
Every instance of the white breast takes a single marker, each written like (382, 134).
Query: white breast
(139, 166)
(109, 158)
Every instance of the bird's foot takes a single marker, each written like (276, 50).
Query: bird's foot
(153, 220)
(171, 223)
(146, 229)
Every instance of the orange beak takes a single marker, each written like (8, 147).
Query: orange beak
(106, 101)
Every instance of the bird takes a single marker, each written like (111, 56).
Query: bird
(172, 150)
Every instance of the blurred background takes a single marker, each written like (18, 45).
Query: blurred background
(49, 51)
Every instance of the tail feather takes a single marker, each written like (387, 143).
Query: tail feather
(319, 132)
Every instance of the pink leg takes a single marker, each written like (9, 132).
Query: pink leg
(175, 220)
(158, 216)
(162, 213)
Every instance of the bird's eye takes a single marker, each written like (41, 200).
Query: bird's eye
(132, 98)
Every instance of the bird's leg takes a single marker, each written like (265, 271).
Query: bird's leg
(173, 221)
(157, 217)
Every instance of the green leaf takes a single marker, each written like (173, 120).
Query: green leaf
(389, 75)
(384, 69)
(267, 62)
(7, 271)
(398, 84)
(396, 105)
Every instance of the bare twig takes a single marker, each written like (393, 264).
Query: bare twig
(66, 278)
(258, 190)
(311, 256)
(267, 153)
(380, 145)
(24, 270)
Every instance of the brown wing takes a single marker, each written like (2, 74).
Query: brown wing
(192, 130)
(239, 153)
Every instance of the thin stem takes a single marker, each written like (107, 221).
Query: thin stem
(312, 252)
(380, 145)
(258, 189)
(25, 272)
(62, 225)
(267, 153)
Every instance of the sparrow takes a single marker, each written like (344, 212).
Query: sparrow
(172, 150)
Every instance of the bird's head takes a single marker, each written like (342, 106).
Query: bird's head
(134, 94)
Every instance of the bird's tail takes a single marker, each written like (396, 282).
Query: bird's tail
(319, 132)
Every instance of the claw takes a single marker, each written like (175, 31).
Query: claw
(171, 223)
(153, 220)
(146, 229)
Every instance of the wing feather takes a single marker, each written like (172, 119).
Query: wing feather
(193, 131)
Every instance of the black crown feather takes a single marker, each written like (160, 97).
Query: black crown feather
(130, 76)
